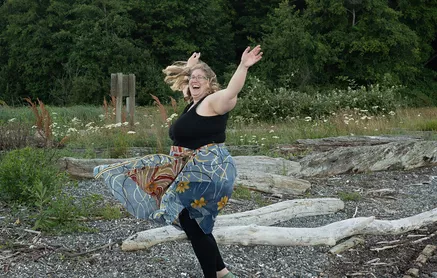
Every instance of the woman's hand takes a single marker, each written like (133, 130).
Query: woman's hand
(194, 59)
(250, 57)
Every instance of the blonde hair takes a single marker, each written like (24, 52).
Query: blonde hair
(177, 76)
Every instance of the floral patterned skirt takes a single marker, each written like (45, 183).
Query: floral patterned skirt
(159, 187)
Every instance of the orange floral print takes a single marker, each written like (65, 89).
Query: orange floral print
(199, 203)
(222, 203)
(182, 186)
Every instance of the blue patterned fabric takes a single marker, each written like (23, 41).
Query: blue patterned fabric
(202, 182)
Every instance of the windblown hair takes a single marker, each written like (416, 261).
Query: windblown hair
(177, 76)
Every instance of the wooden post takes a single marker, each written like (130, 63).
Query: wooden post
(123, 85)
(119, 102)
(131, 101)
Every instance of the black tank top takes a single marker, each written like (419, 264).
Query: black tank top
(193, 131)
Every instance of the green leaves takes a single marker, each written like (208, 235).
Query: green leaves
(364, 40)
(63, 51)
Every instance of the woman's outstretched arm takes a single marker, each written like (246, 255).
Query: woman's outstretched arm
(225, 100)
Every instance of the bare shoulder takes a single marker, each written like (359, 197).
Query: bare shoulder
(205, 108)
(219, 103)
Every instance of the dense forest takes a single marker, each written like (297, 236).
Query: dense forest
(63, 51)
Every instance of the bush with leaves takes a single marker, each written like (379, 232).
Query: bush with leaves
(30, 177)
(23, 170)
(259, 103)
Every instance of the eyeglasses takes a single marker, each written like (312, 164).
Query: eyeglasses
(198, 78)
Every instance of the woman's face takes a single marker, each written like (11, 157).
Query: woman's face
(198, 84)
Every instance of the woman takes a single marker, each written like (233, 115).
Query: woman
(189, 187)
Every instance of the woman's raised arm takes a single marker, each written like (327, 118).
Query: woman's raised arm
(225, 100)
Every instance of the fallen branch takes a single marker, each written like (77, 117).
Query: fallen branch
(425, 238)
(385, 247)
(108, 245)
(346, 245)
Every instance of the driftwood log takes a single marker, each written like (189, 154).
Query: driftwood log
(265, 216)
(282, 211)
(256, 173)
(281, 236)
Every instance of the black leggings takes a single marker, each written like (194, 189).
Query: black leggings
(204, 245)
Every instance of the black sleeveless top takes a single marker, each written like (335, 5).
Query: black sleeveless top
(193, 131)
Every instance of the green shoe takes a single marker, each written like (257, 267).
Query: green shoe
(230, 275)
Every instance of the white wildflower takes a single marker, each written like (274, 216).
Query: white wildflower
(71, 130)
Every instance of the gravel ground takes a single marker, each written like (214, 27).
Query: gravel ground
(412, 192)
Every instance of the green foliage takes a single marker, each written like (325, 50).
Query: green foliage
(242, 193)
(289, 49)
(14, 134)
(421, 17)
(63, 52)
(174, 29)
(422, 92)
(23, 171)
(258, 103)
(365, 41)
(427, 126)
(121, 146)
(28, 177)
(349, 196)
(247, 18)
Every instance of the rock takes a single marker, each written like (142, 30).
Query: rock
(277, 195)
(402, 155)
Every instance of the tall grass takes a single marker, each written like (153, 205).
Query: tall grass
(86, 127)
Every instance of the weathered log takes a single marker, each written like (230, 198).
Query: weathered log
(83, 168)
(258, 174)
(403, 225)
(269, 215)
(404, 155)
(256, 235)
(282, 211)
(272, 183)
(281, 236)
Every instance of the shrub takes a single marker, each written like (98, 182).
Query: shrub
(259, 103)
(349, 196)
(15, 135)
(22, 171)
